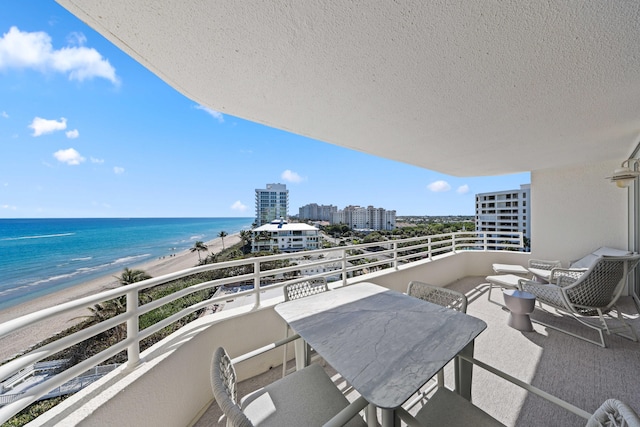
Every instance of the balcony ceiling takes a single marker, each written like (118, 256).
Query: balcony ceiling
(463, 87)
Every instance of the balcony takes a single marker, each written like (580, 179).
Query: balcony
(168, 384)
(464, 88)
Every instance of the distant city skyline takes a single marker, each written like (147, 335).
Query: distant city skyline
(86, 131)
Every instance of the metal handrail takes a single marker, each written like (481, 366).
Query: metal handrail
(400, 251)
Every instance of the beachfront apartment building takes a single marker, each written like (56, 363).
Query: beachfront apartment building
(272, 203)
(369, 218)
(505, 211)
(280, 235)
(316, 212)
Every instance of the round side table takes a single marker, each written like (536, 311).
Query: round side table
(520, 305)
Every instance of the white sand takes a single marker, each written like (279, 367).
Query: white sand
(23, 339)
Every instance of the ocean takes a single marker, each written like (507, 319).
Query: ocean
(41, 256)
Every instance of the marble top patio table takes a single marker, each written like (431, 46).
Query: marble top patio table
(384, 343)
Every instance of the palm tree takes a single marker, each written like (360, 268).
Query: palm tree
(222, 235)
(245, 238)
(263, 236)
(199, 246)
(129, 276)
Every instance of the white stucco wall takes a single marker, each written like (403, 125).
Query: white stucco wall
(575, 210)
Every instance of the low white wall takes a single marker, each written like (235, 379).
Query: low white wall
(445, 269)
(575, 210)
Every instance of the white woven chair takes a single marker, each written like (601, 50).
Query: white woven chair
(584, 294)
(298, 290)
(613, 413)
(442, 296)
(541, 269)
(305, 398)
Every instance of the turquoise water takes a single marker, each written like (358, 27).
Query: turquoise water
(41, 256)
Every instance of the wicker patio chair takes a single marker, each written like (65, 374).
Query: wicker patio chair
(541, 269)
(298, 290)
(441, 296)
(438, 295)
(584, 294)
(305, 398)
(613, 413)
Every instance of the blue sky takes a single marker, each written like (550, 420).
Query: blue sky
(85, 131)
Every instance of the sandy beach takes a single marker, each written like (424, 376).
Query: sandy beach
(25, 338)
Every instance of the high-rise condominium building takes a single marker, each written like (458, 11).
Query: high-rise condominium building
(317, 212)
(508, 210)
(271, 203)
(368, 218)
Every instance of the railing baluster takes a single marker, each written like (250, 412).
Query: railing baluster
(344, 267)
(395, 255)
(133, 325)
(256, 283)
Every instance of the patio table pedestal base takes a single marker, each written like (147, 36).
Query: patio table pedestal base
(520, 305)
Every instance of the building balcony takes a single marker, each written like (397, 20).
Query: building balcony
(462, 114)
(168, 384)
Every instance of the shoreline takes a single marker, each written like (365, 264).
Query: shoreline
(23, 339)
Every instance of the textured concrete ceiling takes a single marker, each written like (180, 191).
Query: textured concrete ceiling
(462, 87)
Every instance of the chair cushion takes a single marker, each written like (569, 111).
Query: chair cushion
(605, 251)
(446, 408)
(304, 398)
(587, 260)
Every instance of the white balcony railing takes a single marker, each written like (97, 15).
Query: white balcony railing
(352, 260)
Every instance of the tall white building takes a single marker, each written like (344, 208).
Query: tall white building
(285, 237)
(368, 218)
(271, 203)
(508, 210)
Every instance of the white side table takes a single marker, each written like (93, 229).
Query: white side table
(520, 305)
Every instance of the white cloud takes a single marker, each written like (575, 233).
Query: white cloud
(463, 189)
(69, 156)
(4, 115)
(9, 207)
(213, 113)
(94, 160)
(21, 49)
(439, 186)
(291, 176)
(72, 134)
(42, 126)
(118, 170)
(76, 38)
(238, 206)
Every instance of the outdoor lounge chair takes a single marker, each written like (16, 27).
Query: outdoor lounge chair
(297, 290)
(305, 398)
(584, 293)
(541, 268)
